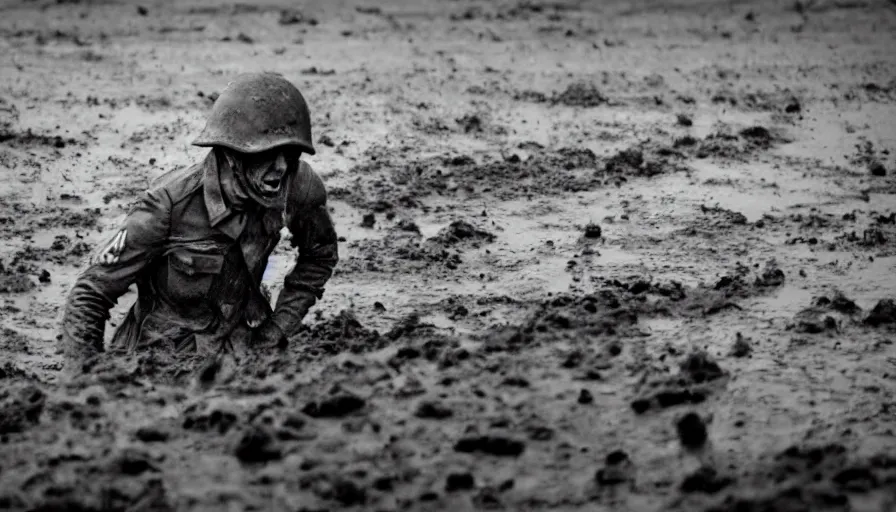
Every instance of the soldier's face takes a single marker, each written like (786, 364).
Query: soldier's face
(265, 171)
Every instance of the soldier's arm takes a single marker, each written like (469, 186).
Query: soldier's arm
(112, 269)
(314, 235)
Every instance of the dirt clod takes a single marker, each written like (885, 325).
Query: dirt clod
(618, 468)
(336, 406)
(580, 94)
(585, 397)
(345, 492)
(883, 313)
(592, 230)
(21, 406)
(459, 482)
(432, 410)
(706, 480)
(257, 444)
(462, 231)
(14, 280)
(839, 302)
(742, 346)
(293, 17)
(151, 434)
(490, 445)
(771, 276)
(691, 430)
(133, 461)
(700, 367)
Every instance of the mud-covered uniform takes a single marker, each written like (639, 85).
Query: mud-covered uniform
(198, 264)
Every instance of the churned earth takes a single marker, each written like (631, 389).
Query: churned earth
(616, 255)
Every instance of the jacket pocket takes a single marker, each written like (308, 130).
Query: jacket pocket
(191, 274)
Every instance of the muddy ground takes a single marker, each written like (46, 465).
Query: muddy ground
(595, 256)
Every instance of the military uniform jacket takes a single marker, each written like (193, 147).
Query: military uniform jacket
(198, 265)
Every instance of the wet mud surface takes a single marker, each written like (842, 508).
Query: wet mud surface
(595, 256)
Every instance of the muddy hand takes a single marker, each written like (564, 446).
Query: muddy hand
(256, 313)
(268, 335)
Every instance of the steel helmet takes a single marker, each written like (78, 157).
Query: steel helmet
(257, 112)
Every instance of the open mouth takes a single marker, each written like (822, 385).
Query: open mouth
(271, 182)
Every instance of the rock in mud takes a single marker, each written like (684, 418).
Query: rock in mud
(462, 231)
(771, 276)
(705, 480)
(341, 490)
(133, 461)
(809, 322)
(810, 477)
(599, 314)
(470, 123)
(293, 17)
(691, 430)
(725, 216)
(759, 135)
(692, 385)
(742, 346)
(341, 333)
(618, 469)
(432, 410)
(516, 382)
(877, 169)
(14, 280)
(883, 313)
(825, 314)
(700, 367)
(627, 161)
(337, 406)
(408, 226)
(459, 482)
(592, 230)
(540, 433)
(218, 415)
(573, 359)
(490, 445)
(585, 397)
(580, 94)
(21, 407)
(368, 220)
(152, 434)
(793, 107)
(257, 444)
(838, 302)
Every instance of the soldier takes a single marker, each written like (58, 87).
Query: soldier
(197, 242)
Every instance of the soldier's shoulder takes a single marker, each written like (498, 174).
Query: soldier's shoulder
(179, 183)
(308, 189)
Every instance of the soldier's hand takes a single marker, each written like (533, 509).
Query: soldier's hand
(268, 335)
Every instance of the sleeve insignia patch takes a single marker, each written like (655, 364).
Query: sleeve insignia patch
(111, 252)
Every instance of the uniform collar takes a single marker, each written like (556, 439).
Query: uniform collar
(220, 214)
(214, 197)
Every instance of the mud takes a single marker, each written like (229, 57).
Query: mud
(594, 256)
